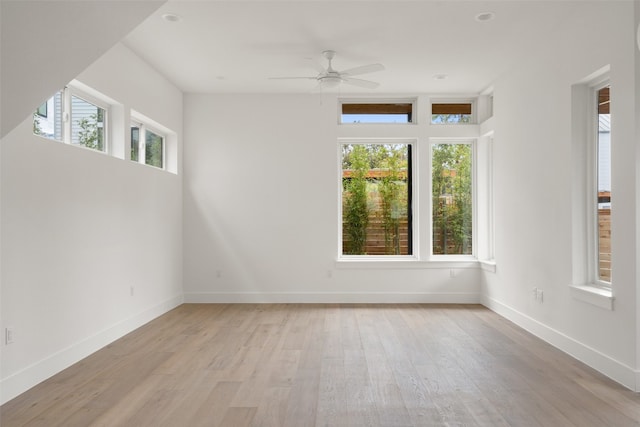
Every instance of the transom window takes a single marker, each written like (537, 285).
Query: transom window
(451, 112)
(147, 145)
(392, 112)
(73, 117)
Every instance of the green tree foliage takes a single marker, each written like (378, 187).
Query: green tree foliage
(37, 129)
(392, 189)
(90, 134)
(452, 199)
(356, 208)
(153, 149)
(135, 141)
(450, 118)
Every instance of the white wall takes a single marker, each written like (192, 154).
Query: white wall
(70, 34)
(637, 182)
(533, 191)
(80, 228)
(261, 192)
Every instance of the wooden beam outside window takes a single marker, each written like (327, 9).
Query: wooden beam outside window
(451, 108)
(377, 108)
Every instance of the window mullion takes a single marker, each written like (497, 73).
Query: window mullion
(142, 146)
(66, 115)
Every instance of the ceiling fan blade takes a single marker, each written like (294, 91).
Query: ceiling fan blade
(293, 78)
(361, 83)
(363, 69)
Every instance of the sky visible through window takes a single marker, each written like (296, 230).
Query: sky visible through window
(375, 118)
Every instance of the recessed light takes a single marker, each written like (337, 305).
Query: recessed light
(485, 16)
(171, 17)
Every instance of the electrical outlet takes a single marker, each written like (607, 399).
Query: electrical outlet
(131, 290)
(540, 295)
(9, 336)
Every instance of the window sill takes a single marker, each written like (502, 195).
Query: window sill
(488, 265)
(403, 262)
(593, 295)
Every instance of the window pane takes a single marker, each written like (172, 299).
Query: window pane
(604, 185)
(376, 199)
(135, 142)
(153, 149)
(375, 118)
(376, 113)
(47, 119)
(452, 199)
(451, 113)
(87, 124)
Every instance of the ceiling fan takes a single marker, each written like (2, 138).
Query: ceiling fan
(329, 78)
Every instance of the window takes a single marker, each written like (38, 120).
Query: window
(452, 198)
(397, 112)
(603, 185)
(376, 198)
(591, 151)
(47, 119)
(452, 113)
(147, 145)
(87, 124)
(73, 117)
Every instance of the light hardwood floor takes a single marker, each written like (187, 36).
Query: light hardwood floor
(326, 365)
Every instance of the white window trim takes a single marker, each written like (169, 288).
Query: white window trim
(594, 295)
(474, 190)
(73, 91)
(485, 202)
(80, 90)
(585, 287)
(145, 124)
(592, 195)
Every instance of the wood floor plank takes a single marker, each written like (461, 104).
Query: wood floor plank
(267, 365)
(272, 409)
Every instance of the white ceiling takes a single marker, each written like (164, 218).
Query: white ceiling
(236, 46)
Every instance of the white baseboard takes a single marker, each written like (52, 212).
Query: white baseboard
(28, 377)
(333, 297)
(602, 363)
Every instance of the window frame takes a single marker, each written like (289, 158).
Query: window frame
(67, 119)
(145, 125)
(593, 244)
(584, 128)
(384, 101)
(473, 119)
(71, 90)
(473, 143)
(412, 199)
